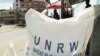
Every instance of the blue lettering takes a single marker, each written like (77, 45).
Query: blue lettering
(60, 47)
(41, 53)
(48, 45)
(46, 54)
(36, 41)
(73, 46)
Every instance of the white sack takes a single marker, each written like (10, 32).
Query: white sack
(65, 37)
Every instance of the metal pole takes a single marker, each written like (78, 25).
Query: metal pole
(62, 9)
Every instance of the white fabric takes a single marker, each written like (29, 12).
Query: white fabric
(64, 35)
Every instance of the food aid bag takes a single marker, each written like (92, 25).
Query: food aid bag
(64, 37)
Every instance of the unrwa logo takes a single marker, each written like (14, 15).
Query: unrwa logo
(60, 46)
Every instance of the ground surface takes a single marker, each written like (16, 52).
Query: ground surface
(18, 38)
